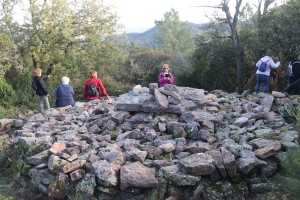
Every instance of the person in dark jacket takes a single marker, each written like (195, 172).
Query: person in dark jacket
(64, 93)
(99, 86)
(41, 90)
(294, 88)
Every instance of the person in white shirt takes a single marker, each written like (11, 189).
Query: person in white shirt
(263, 77)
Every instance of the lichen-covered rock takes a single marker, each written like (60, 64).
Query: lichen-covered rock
(174, 175)
(87, 185)
(198, 164)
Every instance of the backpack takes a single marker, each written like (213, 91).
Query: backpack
(92, 90)
(289, 70)
(33, 85)
(263, 65)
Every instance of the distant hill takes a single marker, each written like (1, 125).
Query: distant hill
(146, 38)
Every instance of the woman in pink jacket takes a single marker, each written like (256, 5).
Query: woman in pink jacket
(165, 77)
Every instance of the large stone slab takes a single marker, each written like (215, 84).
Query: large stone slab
(198, 164)
(136, 175)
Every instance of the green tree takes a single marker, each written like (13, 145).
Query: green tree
(73, 35)
(144, 65)
(173, 36)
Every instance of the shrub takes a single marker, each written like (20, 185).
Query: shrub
(289, 177)
(113, 87)
(6, 92)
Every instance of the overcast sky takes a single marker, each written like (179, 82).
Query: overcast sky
(139, 15)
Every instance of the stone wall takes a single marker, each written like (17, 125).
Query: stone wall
(158, 143)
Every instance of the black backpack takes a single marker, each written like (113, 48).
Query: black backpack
(92, 90)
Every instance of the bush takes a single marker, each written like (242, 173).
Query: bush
(6, 92)
(113, 87)
(289, 177)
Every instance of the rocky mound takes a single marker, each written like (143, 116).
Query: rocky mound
(156, 143)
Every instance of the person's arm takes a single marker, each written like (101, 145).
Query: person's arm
(171, 78)
(257, 64)
(161, 77)
(43, 87)
(273, 64)
(101, 86)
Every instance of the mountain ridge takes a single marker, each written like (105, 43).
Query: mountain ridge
(146, 38)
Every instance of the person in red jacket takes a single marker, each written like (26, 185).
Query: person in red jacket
(88, 95)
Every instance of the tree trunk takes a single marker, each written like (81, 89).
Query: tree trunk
(235, 40)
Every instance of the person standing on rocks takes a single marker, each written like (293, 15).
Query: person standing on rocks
(64, 93)
(165, 77)
(94, 87)
(38, 83)
(294, 85)
(264, 66)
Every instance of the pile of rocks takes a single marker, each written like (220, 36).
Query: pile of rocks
(159, 143)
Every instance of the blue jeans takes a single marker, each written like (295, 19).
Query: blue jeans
(42, 99)
(262, 79)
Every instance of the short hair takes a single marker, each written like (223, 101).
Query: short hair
(38, 71)
(93, 74)
(65, 80)
(269, 52)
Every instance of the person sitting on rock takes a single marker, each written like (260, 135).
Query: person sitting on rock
(64, 93)
(93, 88)
(165, 77)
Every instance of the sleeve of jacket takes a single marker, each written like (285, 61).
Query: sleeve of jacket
(101, 86)
(171, 78)
(43, 87)
(257, 64)
(161, 77)
(274, 65)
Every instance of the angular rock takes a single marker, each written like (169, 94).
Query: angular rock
(105, 173)
(268, 150)
(175, 176)
(77, 174)
(161, 99)
(87, 185)
(198, 164)
(57, 147)
(136, 175)
(217, 156)
(73, 166)
(229, 163)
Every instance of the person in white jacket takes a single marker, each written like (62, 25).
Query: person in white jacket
(263, 77)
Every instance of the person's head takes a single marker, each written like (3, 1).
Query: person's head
(269, 52)
(166, 67)
(93, 74)
(65, 80)
(37, 71)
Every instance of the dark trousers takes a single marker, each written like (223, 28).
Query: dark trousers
(294, 88)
